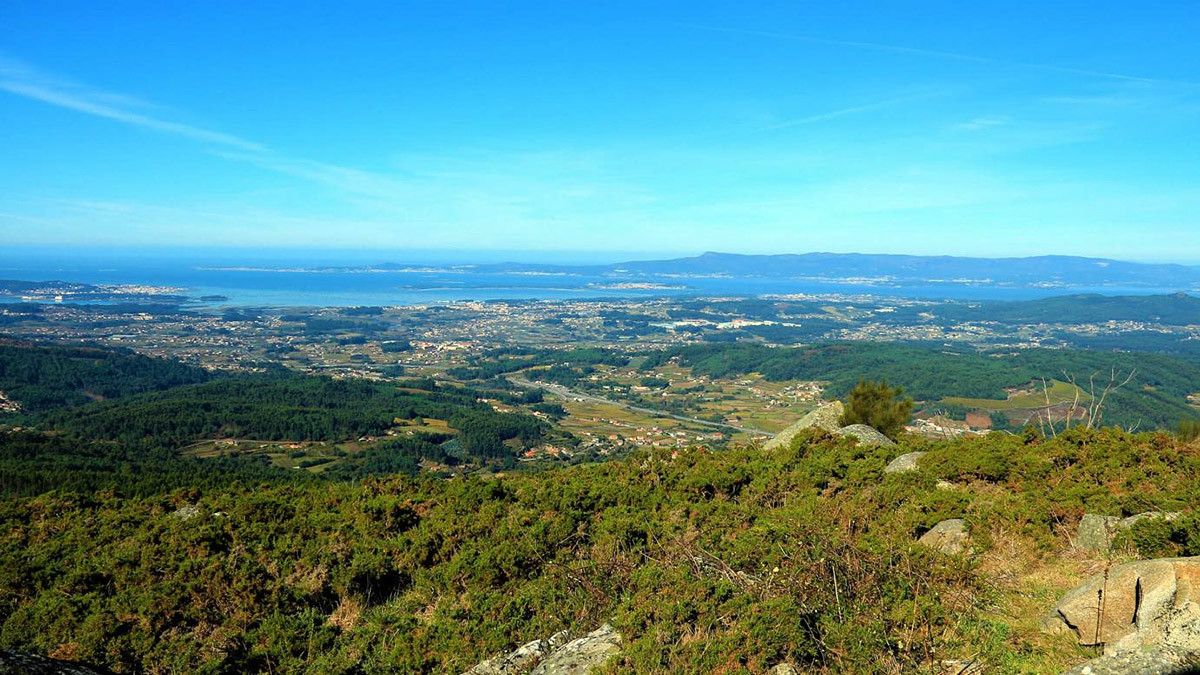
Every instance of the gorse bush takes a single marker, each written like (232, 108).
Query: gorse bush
(727, 561)
(704, 561)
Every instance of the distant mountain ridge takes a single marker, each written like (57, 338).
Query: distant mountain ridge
(906, 268)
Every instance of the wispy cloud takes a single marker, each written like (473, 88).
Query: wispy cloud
(983, 123)
(517, 183)
(32, 83)
(843, 112)
(26, 81)
(934, 53)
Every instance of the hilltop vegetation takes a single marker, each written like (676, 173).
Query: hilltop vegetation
(704, 561)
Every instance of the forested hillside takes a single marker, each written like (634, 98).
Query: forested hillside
(295, 407)
(1155, 397)
(42, 377)
(33, 462)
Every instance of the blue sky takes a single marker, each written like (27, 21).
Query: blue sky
(976, 128)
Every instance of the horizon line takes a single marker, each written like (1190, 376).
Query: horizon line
(94, 250)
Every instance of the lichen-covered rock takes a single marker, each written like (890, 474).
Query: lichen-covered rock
(826, 416)
(1153, 661)
(521, 659)
(865, 434)
(903, 463)
(1096, 533)
(948, 536)
(783, 669)
(579, 657)
(1168, 516)
(1147, 603)
(187, 512)
(16, 663)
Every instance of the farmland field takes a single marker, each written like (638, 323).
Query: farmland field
(1059, 393)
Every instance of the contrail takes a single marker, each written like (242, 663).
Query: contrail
(933, 53)
(842, 112)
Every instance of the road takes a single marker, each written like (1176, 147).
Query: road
(564, 392)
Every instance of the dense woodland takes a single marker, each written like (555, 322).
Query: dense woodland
(129, 440)
(295, 408)
(44, 377)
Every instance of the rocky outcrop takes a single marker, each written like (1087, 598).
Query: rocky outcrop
(865, 434)
(520, 660)
(579, 657)
(1154, 661)
(555, 655)
(16, 663)
(903, 463)
(187, 512)
(948, 536)
(1148, 603)
(826, 416)
(1096, 532)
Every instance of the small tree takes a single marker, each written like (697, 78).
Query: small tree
(878, 405)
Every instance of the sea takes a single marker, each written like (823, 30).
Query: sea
(353, 278)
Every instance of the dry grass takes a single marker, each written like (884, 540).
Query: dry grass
(345, 617)
(1027, 584)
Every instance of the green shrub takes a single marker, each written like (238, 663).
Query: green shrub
(878, 405)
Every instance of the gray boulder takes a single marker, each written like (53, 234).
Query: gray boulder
(865, 435)
(17, 663)
(948, 536)
(1148, 603)
(521, 659)
(187, 512)
(1168, 516)
(1153, 661)
(825, 416)
(579, 657)
(1096, 533)
(903, 463)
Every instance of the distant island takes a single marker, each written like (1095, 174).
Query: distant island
(865, 269)
(852, 269)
